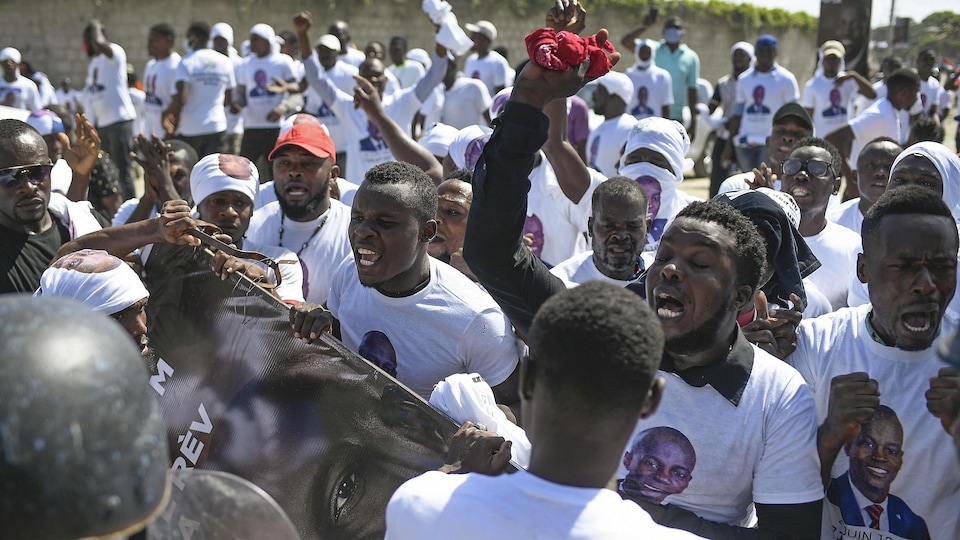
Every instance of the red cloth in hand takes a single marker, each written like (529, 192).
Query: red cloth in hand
(559, 51)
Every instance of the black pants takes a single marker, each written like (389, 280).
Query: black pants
(206, 144)
(256, 146)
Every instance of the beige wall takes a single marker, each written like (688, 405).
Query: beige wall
(48, 32)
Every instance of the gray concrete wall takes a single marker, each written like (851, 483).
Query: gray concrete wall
(48, 32)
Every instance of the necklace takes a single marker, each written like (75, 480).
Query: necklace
(312, 235)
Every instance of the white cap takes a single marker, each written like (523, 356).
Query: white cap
(224, 172)
(482, 27)
(224, 30)
(10, 53)
(617, 84)
(329, 41)
(420, 55)
(265, 31)
(437, 138)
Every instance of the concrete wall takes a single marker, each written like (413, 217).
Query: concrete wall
(48, 32)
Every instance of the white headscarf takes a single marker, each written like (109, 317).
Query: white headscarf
(223, 172)
(466, 147)
(437, 139)
(653, 52)
(94, 278)
(947, 164)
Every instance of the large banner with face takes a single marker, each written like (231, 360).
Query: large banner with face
(847, 21)
(324, 432)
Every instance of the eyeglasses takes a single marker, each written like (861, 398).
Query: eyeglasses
(13, 177)
(815, 167)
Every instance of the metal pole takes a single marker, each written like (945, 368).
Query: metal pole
(893, 18)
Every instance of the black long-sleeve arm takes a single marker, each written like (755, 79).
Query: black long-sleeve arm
(493, 245)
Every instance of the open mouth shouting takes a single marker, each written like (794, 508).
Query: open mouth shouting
(668, 306)
(366, 257)
(920, 321)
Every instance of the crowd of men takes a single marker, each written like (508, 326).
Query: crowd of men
(764, 364)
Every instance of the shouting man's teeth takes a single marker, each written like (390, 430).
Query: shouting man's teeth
(799, 191)
(367, 257)
(668, 307)
(918, 322)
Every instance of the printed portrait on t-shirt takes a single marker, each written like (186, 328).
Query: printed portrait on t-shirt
(862, 494)
(150, 89)
(594, 150)
(374, 141)
(642, 110)
(652, 187)
(10, 98)
(260, 79)
(835, 108)
(757, 107)
(376, 347)
(533, 229)
(659, 463)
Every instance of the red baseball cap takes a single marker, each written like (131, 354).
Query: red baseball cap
(311, 137)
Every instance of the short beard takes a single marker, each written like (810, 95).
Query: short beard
(699, 339)
(298, 213)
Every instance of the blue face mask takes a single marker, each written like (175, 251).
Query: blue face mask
(187, 47)
(672, 35)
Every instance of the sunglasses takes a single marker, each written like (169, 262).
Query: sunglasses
(36, 174)
(815, 167)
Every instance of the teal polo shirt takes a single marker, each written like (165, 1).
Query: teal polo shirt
(684, 68)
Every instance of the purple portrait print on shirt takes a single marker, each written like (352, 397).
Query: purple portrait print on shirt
(653, 189)
(474, 148)
(759, 92)
(835, 108)
(375, 140)
(260, 79)
(376, 347)
(534, 227)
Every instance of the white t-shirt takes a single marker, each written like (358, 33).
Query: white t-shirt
(929, 479)
(878, 120)
(353, 56)
(605, 142)
(656, 85)
(451, 326)
(138, 98)
(234, 121)
(492, 70)
(160, 85)
(580, 269)
(341, 74)
(255, 75)
(407, 73)
(364, 143)
(763, 450)
(829, 102)
(464, 103)
(836, 247)
(557, 224)
(22, 93)
(69, 99)
(847, 214)
(929, 94)
(759, 95)
(107, 95)
(324, 252)
(514, 506)
(209, 75)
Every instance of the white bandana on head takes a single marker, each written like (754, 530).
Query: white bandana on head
(94, 278)
(223, 172)
(947, 164)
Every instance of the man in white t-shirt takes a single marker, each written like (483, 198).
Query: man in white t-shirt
(16, 90)
(205, 83)
(258, 96)
(811, 174)
(341, 74)
(613, 92)
(761, 90)
(407, 73)
(419, 319)
(67, 96)
(827, 95)
(562, 494)
(878, 364)
(221, 35)
(873, 171)
(304, 218)
(617, 228)
(881, 119)
(159, 78)
(708, 265)
(484, 63)
(929, 84)
(652, 85)
(108, 101)
(349, 52)
(466, 101)
(366, 146)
